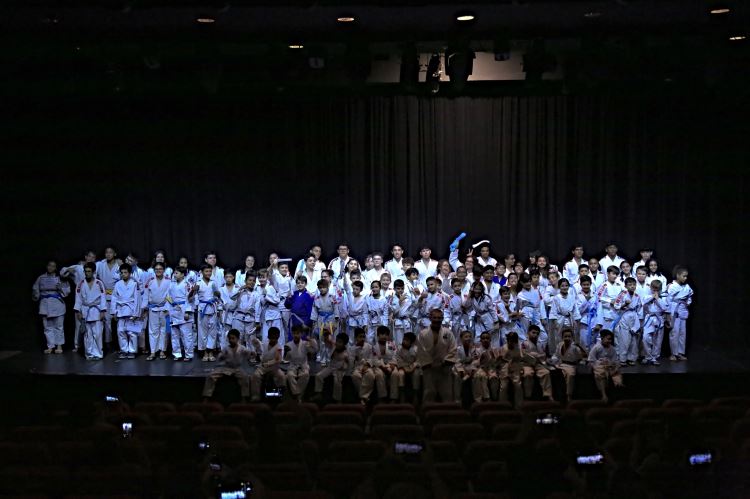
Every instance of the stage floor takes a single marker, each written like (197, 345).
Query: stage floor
(69, 363)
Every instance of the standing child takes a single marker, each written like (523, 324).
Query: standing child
(325, 310)
(270, 355)
(628, 323)
(509, 317)
(297, 353)
(90, 306)
(458, 307)
(535, 360)
(483, 310)
(590, 313)
(431, 299)
(354, 310)
(76, 274)
(570, 270)
(156, 291)
(206, 291)
(300, 305)
(228, 307)
(655, 310)
(337, 366)
(598, 277)
(378, 312)
(127, 311)
(233, 357)
(603, 358)
(564, 313)
(426, 266)
(270, 313)
(530, 303)
(608, 294)
(181, 315)
(567, 357)
(680, 297)
(400, 304)
(406, 364)
(108, 271)
(284, 284)
(246, 317)
(50, 291)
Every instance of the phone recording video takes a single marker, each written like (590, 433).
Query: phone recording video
(700, 458)
(548, 419)
(127, 429)
(242, 490)
(590, 459)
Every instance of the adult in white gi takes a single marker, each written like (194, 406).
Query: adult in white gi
(436, 354)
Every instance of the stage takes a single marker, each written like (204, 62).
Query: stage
(706, 374)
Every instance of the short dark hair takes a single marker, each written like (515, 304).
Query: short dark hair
(383, 330)
(606, 332)
(236, 334)
(358, 331)
(534, 327)
(274, 331)
(123, 266)
(411, 337)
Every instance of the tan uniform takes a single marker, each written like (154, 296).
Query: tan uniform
(405, 363)
(533, 359)
(270, 363)
(337, 367)
(298, 373)
(487, 372)
(510, 370)
(233, 360)
(467, 368)
(567, 363)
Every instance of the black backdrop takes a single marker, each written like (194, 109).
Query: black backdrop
(281, 172)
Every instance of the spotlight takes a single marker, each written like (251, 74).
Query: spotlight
(737, 38)
(717, 11)
(465, 16)
(205, 20)
(592, 14)
(296, 46)
(345, 19)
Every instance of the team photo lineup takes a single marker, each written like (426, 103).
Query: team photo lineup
(495, 325)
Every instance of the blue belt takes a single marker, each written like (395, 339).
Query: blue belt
(206, 303)
(177, 303)
(51, 295)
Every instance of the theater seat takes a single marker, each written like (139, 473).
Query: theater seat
(583, 405)
(480, 407)
(153, 408)
(327, 417)
(216, 432)
(635, 405)
(183, 419)
(353, 451)
(683, 403)
(22, 454)
(459, 434)
(391, 433)
(396, 417)
(739, 402)
(439, 406)
(245, 422)
(342, 478)
(204, 408)
(489, 419)
(393, 408)
(539, 405)
(435, 417)
(251, 408)
(345, 408)
(723, 412)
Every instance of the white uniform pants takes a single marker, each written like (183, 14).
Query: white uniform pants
(128, 340)
(92, 340)
(207, 331)
(182, 338)
(53, 330)
(157, 331)
(677, 336)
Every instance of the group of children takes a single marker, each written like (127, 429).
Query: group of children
(556, 314)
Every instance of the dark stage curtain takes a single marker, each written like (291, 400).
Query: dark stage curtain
(282, 172)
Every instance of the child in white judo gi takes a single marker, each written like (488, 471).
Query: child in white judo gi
(126, 308)
(680, 297)
(181, 315)
(50, 291)
(90, 307)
